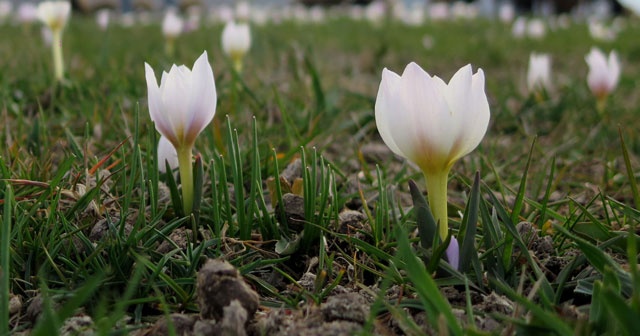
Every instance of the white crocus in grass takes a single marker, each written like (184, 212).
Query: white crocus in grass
(181, 107)
(433, 124)
(604, 74)
(539, 73)
(236, 41)
(55, 14)
(172, 26)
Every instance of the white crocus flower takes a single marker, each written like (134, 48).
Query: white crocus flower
(181, 107)
(172, 26)
(102, 18)
(55, 14)
(432, 124)
(236, 41)
(604, 74)
(539, 73)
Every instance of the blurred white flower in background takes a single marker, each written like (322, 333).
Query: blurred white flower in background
(221, 13)
(127, 20)
(506, 12)
(412, 16)
(316, 14)
(236, 41)
(102, 18)
(463, 10)
(439, 11)
(27, 12)
(356, 12)
(539, 73)
(172, 26)
(600, 32)
(536, 28)
(5, 10)
(55, 14)
(519, 28)
(428, 41)
(243, 11)
(260, 15)
(194, 14)
(375, 11)
(604, 73)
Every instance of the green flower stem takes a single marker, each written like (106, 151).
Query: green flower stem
(601, 104)
(237, 63)
(186, 178)
(169, 46)
(58, 63)
(437, 195)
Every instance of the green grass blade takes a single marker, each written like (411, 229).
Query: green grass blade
(468, 227)
(5, 269)
(426, 223)
(630, 174)
(434, 303)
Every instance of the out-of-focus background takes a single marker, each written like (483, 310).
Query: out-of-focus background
(489, 7)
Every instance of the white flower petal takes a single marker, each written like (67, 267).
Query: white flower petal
(185, 102)
(203, 98)
(426, 110)
(385, 111)
(166, 154)
(429, 122)
(162, 123)
(474, 124)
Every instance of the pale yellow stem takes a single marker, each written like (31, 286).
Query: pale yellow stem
(601, 104)
(169, 46)
(186, 178)
(437, 195)
(58, 63)
(237, 63)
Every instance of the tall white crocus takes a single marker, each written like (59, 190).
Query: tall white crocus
(604, 74)
(433, 124)
(236, 41)
(181, 107)
(55, 14)
(172, 26)
(539, 73)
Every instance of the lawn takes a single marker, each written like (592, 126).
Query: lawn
(545, 208)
